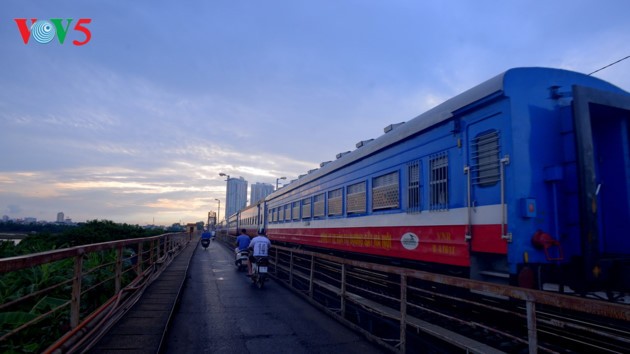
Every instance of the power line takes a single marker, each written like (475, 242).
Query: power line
(611, 64)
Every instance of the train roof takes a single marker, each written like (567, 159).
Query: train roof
(494, 87)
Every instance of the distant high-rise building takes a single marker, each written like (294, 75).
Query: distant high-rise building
(259, 191)
(235, 196)
(60, 217)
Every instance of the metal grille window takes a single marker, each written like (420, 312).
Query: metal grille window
(385, 192)
(438, 182)
(306, 208)
(318, 205)
(356, 198)
(413, 187)
(485, 154)
(335, 202)
(296, 211)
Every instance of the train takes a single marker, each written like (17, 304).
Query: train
(521, 180)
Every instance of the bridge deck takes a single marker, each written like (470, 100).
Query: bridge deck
(142, 328)
(220, 311)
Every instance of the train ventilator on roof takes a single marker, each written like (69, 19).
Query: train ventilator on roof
(324, 163)
(341, 154)
(391, 127)
(363, 143)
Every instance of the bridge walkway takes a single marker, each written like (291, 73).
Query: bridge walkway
(220, 311)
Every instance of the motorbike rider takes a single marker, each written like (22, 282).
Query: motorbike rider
(259, 247)
(206, 237)
(242, 242)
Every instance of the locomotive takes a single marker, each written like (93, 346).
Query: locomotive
(523, 180)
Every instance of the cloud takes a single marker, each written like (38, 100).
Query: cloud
(140, 122)
(13, 209)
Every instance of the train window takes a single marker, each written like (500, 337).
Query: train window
(356, 198)
(385, 192)
(306, 208)
(318, 206)
(280, 213)
(287, 212)
(413, 186)
(296, 211)
(438, 182)
(335, 202)
(485, 153)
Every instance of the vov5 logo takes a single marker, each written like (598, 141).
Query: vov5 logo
(44, 31)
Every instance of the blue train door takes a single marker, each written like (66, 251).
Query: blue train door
(484, 166)
(602, 130)
(485, 172)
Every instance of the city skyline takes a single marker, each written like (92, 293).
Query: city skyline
(135, 125)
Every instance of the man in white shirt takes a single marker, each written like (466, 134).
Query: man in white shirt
(259, 247)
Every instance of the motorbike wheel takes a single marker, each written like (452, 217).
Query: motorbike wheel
(260, 282)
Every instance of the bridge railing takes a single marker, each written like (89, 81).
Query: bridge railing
(412, 299)
(51, 301)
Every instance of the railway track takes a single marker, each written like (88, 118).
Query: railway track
(443, 315)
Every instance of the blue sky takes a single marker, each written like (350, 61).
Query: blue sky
(137, 124)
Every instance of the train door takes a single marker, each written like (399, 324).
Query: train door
(485, 200)
(485, 182)
(602, 129)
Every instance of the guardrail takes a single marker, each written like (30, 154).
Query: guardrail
(408, 299)
(76, 292)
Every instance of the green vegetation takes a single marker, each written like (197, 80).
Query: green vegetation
(56, 236)
(15, 285)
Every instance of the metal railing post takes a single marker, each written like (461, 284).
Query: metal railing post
(75, 305)
(531, 327)
(118, 272)
(151, 253)
(343, 291)
(311, 277)
(139, 259)
(291, 269)
(403, 313)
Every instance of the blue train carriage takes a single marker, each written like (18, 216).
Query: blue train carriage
(511, 181)
(567, 180)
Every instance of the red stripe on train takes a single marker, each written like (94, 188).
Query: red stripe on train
(438, 244)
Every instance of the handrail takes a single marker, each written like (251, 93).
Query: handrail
(92, 287)
(26, 261)
(289, 267)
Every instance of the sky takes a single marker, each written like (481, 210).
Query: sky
(135, 125)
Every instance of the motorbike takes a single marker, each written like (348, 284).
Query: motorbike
(242, 257)
(205, 242)
(259, 271)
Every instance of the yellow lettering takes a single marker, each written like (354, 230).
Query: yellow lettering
(443, 249)
(443, 236)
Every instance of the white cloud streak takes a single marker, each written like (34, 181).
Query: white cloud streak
(139, 123)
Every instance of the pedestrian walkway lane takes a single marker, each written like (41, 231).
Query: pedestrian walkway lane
(142, 328)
